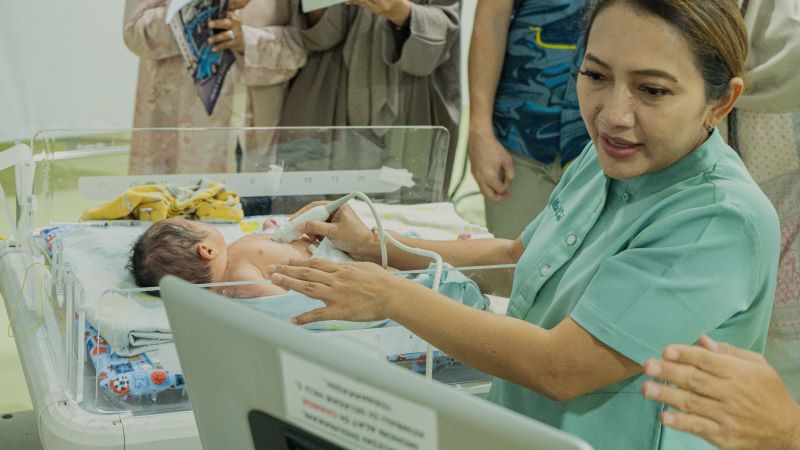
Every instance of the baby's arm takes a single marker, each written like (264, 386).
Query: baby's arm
(251, 273)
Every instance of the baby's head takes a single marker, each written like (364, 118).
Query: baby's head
(178, 247)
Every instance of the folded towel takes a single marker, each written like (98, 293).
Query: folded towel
(207, 200)
(132, 324)
(455, 285)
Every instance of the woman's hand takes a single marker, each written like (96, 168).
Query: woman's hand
(315, 16)
(396, 11)
(237, 4)
(728, 396)
(345, 230)
(232, 38)
(358, 292)
(492, 165)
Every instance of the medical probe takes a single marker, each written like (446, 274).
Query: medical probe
(288, 232)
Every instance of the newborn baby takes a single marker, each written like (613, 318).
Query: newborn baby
(197, 252)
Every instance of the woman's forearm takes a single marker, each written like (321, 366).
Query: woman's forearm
(561, 363)
(428, 43)
(272, 55)
(144, 31)
(459, 253)
(486, 56)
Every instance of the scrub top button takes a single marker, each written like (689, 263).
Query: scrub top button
(571, 239)
(544, 270)
(625, 196)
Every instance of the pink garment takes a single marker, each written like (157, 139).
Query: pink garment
(769, 144)
(166, 97)
(784, 191)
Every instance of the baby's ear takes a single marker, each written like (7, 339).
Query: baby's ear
(205, 251)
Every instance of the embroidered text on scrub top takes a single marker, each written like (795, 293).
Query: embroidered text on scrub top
(558, 210)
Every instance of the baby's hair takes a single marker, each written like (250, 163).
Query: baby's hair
(167, 248)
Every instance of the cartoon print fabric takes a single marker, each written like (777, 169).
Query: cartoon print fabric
(123, 377)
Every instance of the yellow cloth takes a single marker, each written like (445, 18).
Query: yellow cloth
(247, 227)
(207, 200)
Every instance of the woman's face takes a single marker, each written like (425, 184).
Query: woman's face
(641, 95)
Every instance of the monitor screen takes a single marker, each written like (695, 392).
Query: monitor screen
(271, 433)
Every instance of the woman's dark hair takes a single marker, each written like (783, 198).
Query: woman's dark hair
(167, 248)
(714, 28)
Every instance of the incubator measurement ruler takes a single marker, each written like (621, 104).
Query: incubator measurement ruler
(272, 183)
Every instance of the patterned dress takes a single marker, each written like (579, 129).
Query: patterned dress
(167, 98)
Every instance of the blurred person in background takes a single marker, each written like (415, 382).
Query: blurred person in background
(380, 63)
(732, 397)
(525, 126)
(765, 129)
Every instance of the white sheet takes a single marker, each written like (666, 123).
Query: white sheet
(97, 255)
(427, 220)
(131, 323)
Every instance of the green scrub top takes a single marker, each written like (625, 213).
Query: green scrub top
(642, 263)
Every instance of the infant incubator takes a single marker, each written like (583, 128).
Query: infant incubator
(97, 351)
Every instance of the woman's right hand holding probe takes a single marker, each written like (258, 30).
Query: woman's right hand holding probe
(344, 229)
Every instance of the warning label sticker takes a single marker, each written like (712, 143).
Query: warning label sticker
(352, 413)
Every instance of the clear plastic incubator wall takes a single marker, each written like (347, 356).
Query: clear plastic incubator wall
(97, 351)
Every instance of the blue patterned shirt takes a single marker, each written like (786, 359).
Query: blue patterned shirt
(536, 107)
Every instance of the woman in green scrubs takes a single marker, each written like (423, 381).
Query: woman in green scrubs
(656, 234)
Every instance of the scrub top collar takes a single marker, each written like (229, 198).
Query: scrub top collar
(697, 161)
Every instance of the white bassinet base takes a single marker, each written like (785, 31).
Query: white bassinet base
(63, 423)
